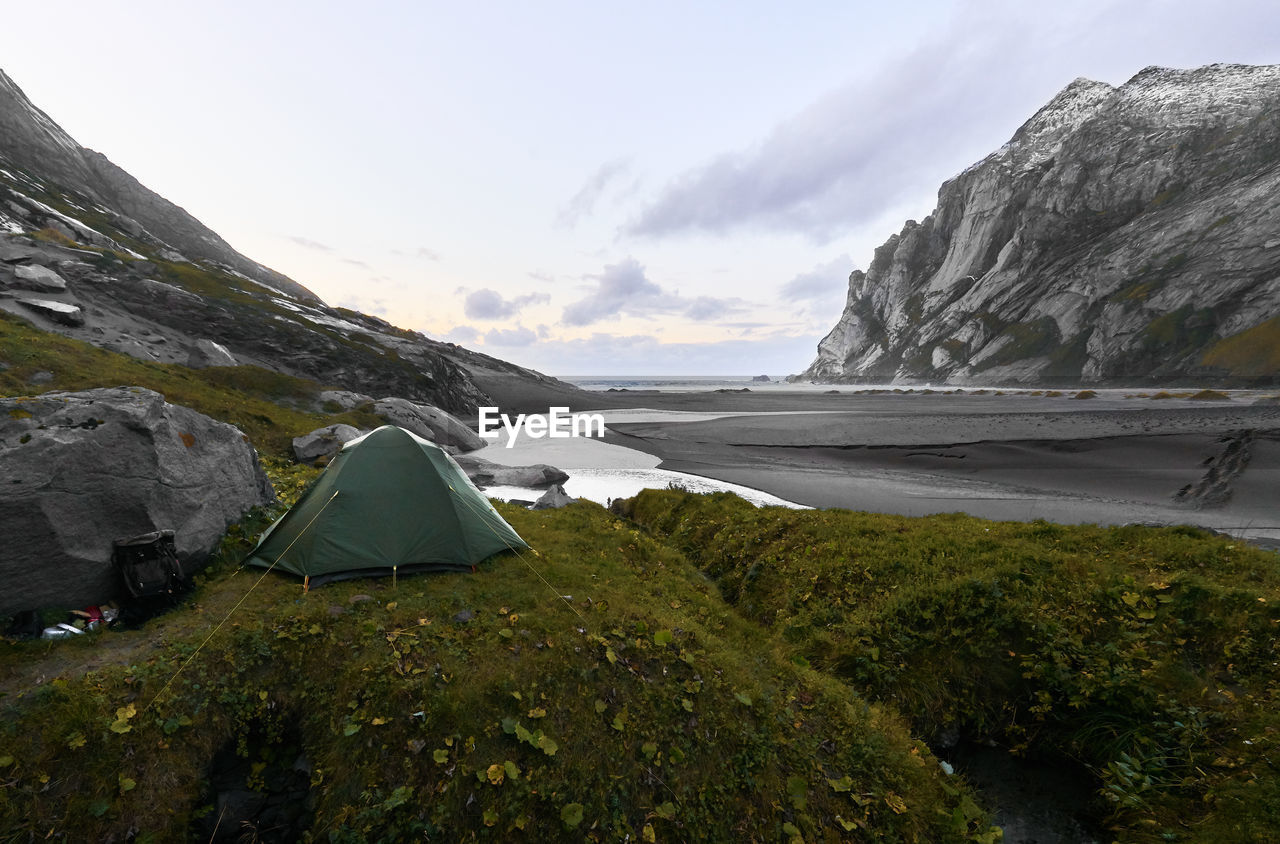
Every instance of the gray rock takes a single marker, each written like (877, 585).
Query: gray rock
(38, 278)
(1113, 238)
(60, 312)
(484, 473)
(553, 499)
(42, 376)
(429, 422)
(323, 442)
(345, 399)
(83, 469)
(208, 353)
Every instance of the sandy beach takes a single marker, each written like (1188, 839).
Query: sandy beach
(1120, 457)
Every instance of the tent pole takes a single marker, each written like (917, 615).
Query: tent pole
(306, 583)
(393, 577)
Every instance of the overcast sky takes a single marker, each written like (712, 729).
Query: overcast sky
(584, 188)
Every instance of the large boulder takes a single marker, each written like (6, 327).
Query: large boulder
(323, 442)
(485, 473)
(430, 423)
(83, 469)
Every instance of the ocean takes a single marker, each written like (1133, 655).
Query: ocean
(705, 383)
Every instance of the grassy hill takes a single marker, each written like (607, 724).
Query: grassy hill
(1150, 655)
(689, 668)
(629, 701)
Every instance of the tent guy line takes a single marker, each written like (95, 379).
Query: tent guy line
(522, 559)
(232, 611)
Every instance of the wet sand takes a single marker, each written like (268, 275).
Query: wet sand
(1114, 459)
(1118, 461)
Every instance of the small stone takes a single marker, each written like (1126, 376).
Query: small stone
(463, 617)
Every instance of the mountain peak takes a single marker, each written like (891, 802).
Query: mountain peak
(32, 142)
(1122, 235)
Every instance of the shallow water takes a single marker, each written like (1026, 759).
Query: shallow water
(604, 485)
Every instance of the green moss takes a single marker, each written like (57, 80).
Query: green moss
(1138, 291)
(1179, 331)
(1255, 351)
(1027, 340)
(639, 698)
(1109, 645)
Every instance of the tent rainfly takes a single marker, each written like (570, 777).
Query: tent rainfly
(389, 502)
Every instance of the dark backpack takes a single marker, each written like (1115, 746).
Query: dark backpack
(148, 564)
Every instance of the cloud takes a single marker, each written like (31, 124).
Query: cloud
(518, 336)
(355, 262)
(819, 295)
(584, 201)
(427, 254)
(461, 334)
(310, 244)
(774, 353)
(624, 289)
(490, 304)
(888, 138)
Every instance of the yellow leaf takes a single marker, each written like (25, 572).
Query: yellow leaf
(496, 774)
(537, 712)
(378, 722)
(648, 834)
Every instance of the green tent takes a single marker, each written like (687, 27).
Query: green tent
(388, 502)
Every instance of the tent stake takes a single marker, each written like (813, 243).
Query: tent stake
(306, 583)
(393, 577)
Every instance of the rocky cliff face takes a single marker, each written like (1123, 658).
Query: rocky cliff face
(1122, 235)
(87, 251)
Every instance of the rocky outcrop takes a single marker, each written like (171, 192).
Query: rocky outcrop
(83, 469)
(40, 279)
(430, 423)
(334, 401)
(323, 442)
(32, 141)
(1122, 235)
(484, 473)
(152, 282)
(208, 353)
(62, 313)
